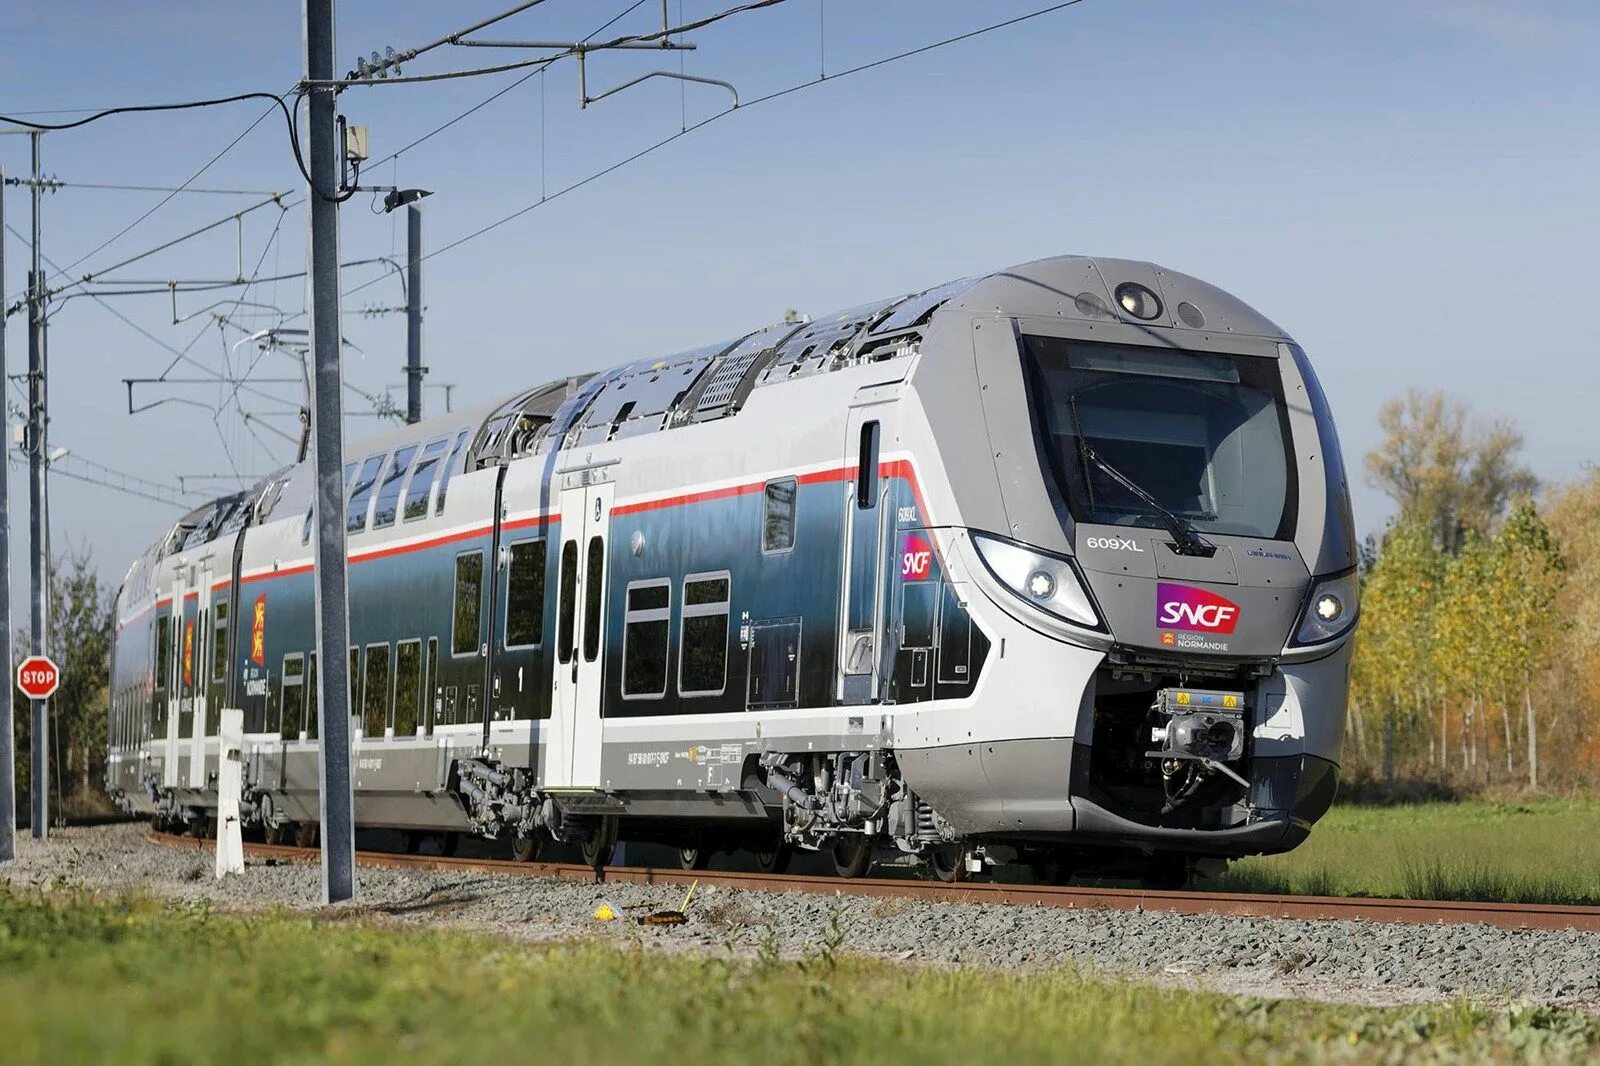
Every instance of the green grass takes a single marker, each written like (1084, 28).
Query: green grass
(1538, 851)
(127, 979)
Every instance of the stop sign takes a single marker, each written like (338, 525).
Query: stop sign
(38, 677)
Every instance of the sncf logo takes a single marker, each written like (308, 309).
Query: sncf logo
(916, 557)
(1186, 607)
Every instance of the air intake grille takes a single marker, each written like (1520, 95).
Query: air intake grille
(719, 390)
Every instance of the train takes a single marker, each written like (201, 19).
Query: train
(1051, 568)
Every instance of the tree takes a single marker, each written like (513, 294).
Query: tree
(80, 643)
(1529, 576)
(1445, 467)
(1394, 658)
(1463, 645)
(1573, 512)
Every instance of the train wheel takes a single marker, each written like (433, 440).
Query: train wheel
(525, 848)
(275, 832)
(773, 860)
(695, 856)
(601, 844)
(446, 843)
(948, 862)
(305, 835)
(852, 857)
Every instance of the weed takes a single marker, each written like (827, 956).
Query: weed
(126, 979)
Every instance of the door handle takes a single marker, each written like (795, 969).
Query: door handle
(574, 669)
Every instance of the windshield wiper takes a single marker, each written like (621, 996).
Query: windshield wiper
(1188, 542)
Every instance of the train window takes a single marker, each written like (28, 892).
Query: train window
(354, 680)
(355, 519)
(292, 696)
(594, 573)
(163, 651)
(375, 708)
(569, 600)
(867, 467)
(467, 621)
(219, 642)
(422, 478)
(407, 687)
(644, 640)
(388, 504)
(450, 464)
(777, 516)
(703, 645)
(313, 698)
(525, 595)
(430, 691)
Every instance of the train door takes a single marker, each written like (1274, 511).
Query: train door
(177, 706)
(196, 673)
(861, 598)
(573, 754)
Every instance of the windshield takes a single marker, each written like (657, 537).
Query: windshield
(1204, 435)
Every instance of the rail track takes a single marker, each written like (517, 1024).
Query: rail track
(1501, 915)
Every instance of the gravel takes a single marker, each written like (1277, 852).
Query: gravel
(1341, 961)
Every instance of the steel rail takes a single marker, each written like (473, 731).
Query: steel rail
(1531, 916)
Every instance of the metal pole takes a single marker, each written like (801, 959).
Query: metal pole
(327, 433)
(414, 370)
(38, 547)
(8, 754)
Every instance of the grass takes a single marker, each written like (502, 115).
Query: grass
(129, 979)
(1536, 851)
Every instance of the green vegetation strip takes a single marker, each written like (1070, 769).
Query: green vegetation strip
(132, 979)
(1536, 851)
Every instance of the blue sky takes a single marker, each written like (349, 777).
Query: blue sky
(1407, 186)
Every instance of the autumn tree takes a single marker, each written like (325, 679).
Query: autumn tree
(1394, 659)
(1463, 646)
(1445, 467)
(1527, 577)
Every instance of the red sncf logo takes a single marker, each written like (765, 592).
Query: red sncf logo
(1198, 610)
(916, 557)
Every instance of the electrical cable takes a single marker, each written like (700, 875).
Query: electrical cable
(545, 60)
(776, 94)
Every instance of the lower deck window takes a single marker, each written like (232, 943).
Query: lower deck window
(407, 687)
(644, 640)
(703, 647)
(292, 697)
(375, 709)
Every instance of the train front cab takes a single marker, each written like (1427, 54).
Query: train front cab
(1155, 516)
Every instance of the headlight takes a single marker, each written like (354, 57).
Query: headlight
(1330, 610)
(1046, 581)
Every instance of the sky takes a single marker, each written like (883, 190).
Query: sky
(1407, 186)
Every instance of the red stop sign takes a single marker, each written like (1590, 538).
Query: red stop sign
(38, 677)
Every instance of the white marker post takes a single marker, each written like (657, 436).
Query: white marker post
(230, 780)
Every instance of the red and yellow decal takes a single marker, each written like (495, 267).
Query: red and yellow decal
(258, 631)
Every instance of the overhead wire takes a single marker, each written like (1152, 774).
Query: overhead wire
(747, 105)
(544, 60)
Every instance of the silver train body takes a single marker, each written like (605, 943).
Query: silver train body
(1053, 564)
